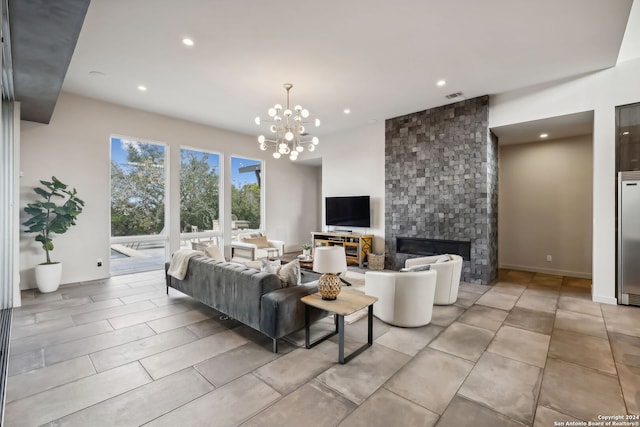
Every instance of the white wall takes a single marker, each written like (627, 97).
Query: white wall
(353, 165)
(545, 206)
(75, 147)
(601, 92)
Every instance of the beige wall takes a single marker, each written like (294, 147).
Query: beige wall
(75, 147)
(545, 206)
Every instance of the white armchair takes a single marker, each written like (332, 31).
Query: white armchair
(404, 299)
(449, 268)
(254, 246)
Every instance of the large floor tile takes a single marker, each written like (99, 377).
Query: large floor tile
(498, 300)
(146, 315)
(290, 371)
(596, 354)
(177, 320)
(170, 361)
(107, 313)
(626, 348)
(519, 344)
(538, 303)
(78, 309)
(311, 404)
(42, 307)
(474, 287)
(542, 291)
(58, 402)
(546, 417)
(580, 392)
(531, 320)
(43, 327)
(518, 276)
(208, 327)
(580, 323)
(577, 282)
(36, 342)
(465, 413)
(409, 340)
(579, 305)
(25, 362)
(505, 385)
(622, 319)
(507, 288)
(630, 382)
(462, 340)
(484, 317)
(466, 299)
(20, 386)
(230, 405)
(125, 353)
(228, 366)
(139, 406)
(363, 375)
(444, 315)
(431, 379)
(384, 408)
(547, 280)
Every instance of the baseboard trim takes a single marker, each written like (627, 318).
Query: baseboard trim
(546, 271)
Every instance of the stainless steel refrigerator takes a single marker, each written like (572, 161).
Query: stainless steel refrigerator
(629, 238)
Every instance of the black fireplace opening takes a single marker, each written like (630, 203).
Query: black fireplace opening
(428, 247)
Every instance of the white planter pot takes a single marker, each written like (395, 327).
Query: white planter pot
(48, 277)
(306, 253)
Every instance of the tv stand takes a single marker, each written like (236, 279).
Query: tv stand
(356, 246)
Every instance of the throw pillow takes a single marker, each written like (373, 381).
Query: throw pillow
(214, 252)
(443, 258)
(260, 242)
(270, 266)
(290, 274)
(415, 268)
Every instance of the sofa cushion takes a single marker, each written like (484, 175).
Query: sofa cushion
(269, 266)
(424, 267)
(290, 274)
(260, 241)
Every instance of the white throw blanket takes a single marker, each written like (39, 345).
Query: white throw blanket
(180, 262)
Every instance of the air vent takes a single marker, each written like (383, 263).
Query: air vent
(454, 95)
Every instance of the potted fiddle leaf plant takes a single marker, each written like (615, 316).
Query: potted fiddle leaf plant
(54, 213)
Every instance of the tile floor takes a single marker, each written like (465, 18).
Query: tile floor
(532, 350)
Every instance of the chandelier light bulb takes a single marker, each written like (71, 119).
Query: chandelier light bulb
(317, 122)
(315, 140)
(276, 155)
(261, 139)
(288, 136)
(297, 118)
(297, 108)
(311, 148)
(258, 120)
(292, 156)
(299, 148)
(287, 113)
(304, 113)
(263, 147)
(277, 118)
(301, 129)
(271, 112)
(278, 107)
(273, 128)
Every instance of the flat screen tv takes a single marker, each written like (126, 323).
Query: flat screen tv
(348, 211)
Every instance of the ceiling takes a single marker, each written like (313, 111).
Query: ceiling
(380, 59)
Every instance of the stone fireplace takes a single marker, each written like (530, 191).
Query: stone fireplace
(441, 185)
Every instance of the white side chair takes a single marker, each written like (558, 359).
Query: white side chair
(250, 247)
(449, 273)
(404, 299)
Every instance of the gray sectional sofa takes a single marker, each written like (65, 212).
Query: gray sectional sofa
(252, 297)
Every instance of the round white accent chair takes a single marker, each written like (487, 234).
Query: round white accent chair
(404, 299)
(449, 268)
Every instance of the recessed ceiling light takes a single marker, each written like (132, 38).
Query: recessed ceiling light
(142, 88)
(441, 82)
(346, 111)
(625, 132)
(187, 41)
(544, 135)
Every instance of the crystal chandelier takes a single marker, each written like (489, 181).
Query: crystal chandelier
(288, 134)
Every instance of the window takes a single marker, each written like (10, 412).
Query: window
(199, 192)
(246, 193)
(138, 183)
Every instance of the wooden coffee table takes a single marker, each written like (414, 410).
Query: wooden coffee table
(348, 302)
(306, 263)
